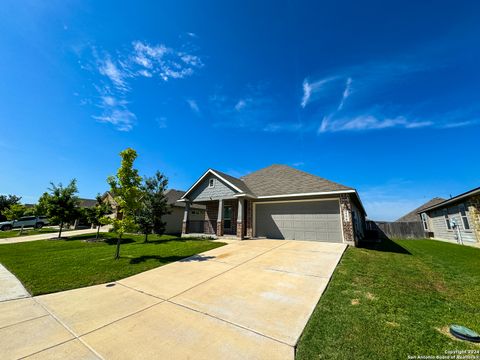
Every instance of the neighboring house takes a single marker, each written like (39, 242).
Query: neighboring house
(456, 219)
(174, 220)
(414, 215)
(277, 202)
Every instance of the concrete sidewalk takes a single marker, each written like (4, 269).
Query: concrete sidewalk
(48, 236)
(246, 300)
(10, 287)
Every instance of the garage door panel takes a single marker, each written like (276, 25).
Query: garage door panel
(312, 220)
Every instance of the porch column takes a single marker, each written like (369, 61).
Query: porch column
(240, 218)
(220, 218)
(347, 223)
(185, 218)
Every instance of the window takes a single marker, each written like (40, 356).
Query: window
(463, 214)
(425, 221)
(447, 220)
(211, 183)
(227, 217)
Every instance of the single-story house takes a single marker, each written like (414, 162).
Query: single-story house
(456, 219)
(173, 221)
(277, 202)
(414, 215)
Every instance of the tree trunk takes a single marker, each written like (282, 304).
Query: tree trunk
(98, 231)
(117, 251)
(60, 232)
(146, 238)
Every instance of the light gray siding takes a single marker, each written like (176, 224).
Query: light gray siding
(203, 192)
(173, 221)
(438, 225)
(306, 220)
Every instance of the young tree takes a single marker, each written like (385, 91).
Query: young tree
(154, 205)
(15, 211)
(62, 204)
(42, 205)
(126, 191)
(96, 214)
(5, 202)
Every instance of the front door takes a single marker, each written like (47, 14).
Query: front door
(227, 219)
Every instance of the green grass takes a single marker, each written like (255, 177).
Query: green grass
(26, 232)
(396, 299)
(56, 265)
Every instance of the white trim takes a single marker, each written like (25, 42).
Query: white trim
(254, 211)
(308, 194)
(209, 171)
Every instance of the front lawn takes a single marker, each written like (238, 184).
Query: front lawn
(26, 232)
(396, 299)
(55, 265)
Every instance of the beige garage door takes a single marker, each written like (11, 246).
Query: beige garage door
(306, 220)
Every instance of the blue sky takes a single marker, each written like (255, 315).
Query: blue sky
(380, 96)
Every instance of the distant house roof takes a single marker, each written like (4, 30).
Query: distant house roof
(414, 214)
(174, 195)
(454, 199)
(87, 203)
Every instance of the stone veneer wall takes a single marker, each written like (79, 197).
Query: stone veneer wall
(248, 219)
(346, 214)
(473, 205)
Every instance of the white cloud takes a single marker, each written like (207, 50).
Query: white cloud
(312, 88)
(368, 122)
(193, 105)
(453, 125)
(108, 68)
(240, 105)
(346, 93)
(298, 163)
(123, 119)
(143, 60)
(162, 122)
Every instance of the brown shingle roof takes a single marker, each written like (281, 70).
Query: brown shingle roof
(414, 216)
(284, 180)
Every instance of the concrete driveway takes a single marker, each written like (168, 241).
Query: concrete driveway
(246, 300)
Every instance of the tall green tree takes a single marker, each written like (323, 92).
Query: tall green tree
(96, 214)
(62, 204)
(5, 202)
(15, 211)
(126, 190)
(153, 205)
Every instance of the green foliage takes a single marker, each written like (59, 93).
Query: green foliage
(96, 215)
(395, 299)
(41, 209)
(15, 211)
(5, 202)
(125, 188)
(153, 206)
(62, 204)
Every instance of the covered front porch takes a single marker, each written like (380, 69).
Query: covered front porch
(223, 217)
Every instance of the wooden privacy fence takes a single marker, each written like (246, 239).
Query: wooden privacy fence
(405, 230)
